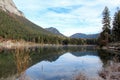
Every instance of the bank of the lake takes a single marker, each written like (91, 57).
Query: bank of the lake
(8, 43)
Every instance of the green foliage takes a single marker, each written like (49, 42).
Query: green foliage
(102, 40)
(19, 28)
(106, 20)
(105, 35)
(91, 41)
(116, 27)
(75, 41)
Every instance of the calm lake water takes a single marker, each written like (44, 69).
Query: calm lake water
(52, 63)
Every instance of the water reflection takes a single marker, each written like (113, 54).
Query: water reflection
(52, 53)
(22, 60)
(66, 67)
(7, 65)
(51, 63)
(13, 63)
(108, 55)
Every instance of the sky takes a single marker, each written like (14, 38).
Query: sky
(68, 16)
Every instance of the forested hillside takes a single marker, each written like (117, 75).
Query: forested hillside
(16, 27)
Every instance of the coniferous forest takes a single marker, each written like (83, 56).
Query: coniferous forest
(110, 33)
(14, 27)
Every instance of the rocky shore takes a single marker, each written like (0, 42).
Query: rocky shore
(115, 46)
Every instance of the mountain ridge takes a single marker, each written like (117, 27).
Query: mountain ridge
(85, 36)
(14, 26)
(54, 31)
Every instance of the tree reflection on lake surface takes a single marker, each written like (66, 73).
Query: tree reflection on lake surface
(22, 59)
(51, 63)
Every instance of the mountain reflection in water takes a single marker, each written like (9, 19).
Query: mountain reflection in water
(51, 63)
(66, 67)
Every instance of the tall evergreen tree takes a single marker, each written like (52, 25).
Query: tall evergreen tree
(105, 34)
(106, 20)
(106, 24)
(116, 26)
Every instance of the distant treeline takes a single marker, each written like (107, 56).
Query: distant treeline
(72, 41)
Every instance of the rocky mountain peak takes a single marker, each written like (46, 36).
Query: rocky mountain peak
(9, 6)
(54, 31)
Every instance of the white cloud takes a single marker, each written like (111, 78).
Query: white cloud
(83, 16)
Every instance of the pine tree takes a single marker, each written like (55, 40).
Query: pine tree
(106, 24)
(116, 26)
(106, 20)
(105, 34)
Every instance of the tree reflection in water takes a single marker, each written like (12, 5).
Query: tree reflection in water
(14, 62)
(22, 60)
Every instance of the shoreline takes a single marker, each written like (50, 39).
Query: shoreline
(10, 44)
(111, 46)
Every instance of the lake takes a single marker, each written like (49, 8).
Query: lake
(52, 63)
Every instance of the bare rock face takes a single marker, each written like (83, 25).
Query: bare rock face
(9, 6)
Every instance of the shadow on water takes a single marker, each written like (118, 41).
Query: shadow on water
(108, 55)
(13, 62)
(7, 64)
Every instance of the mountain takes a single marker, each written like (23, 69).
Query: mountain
(85, 36)
(54, 31)
(9, 6)
(13, 25)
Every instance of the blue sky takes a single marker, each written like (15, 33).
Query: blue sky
(68, 16)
